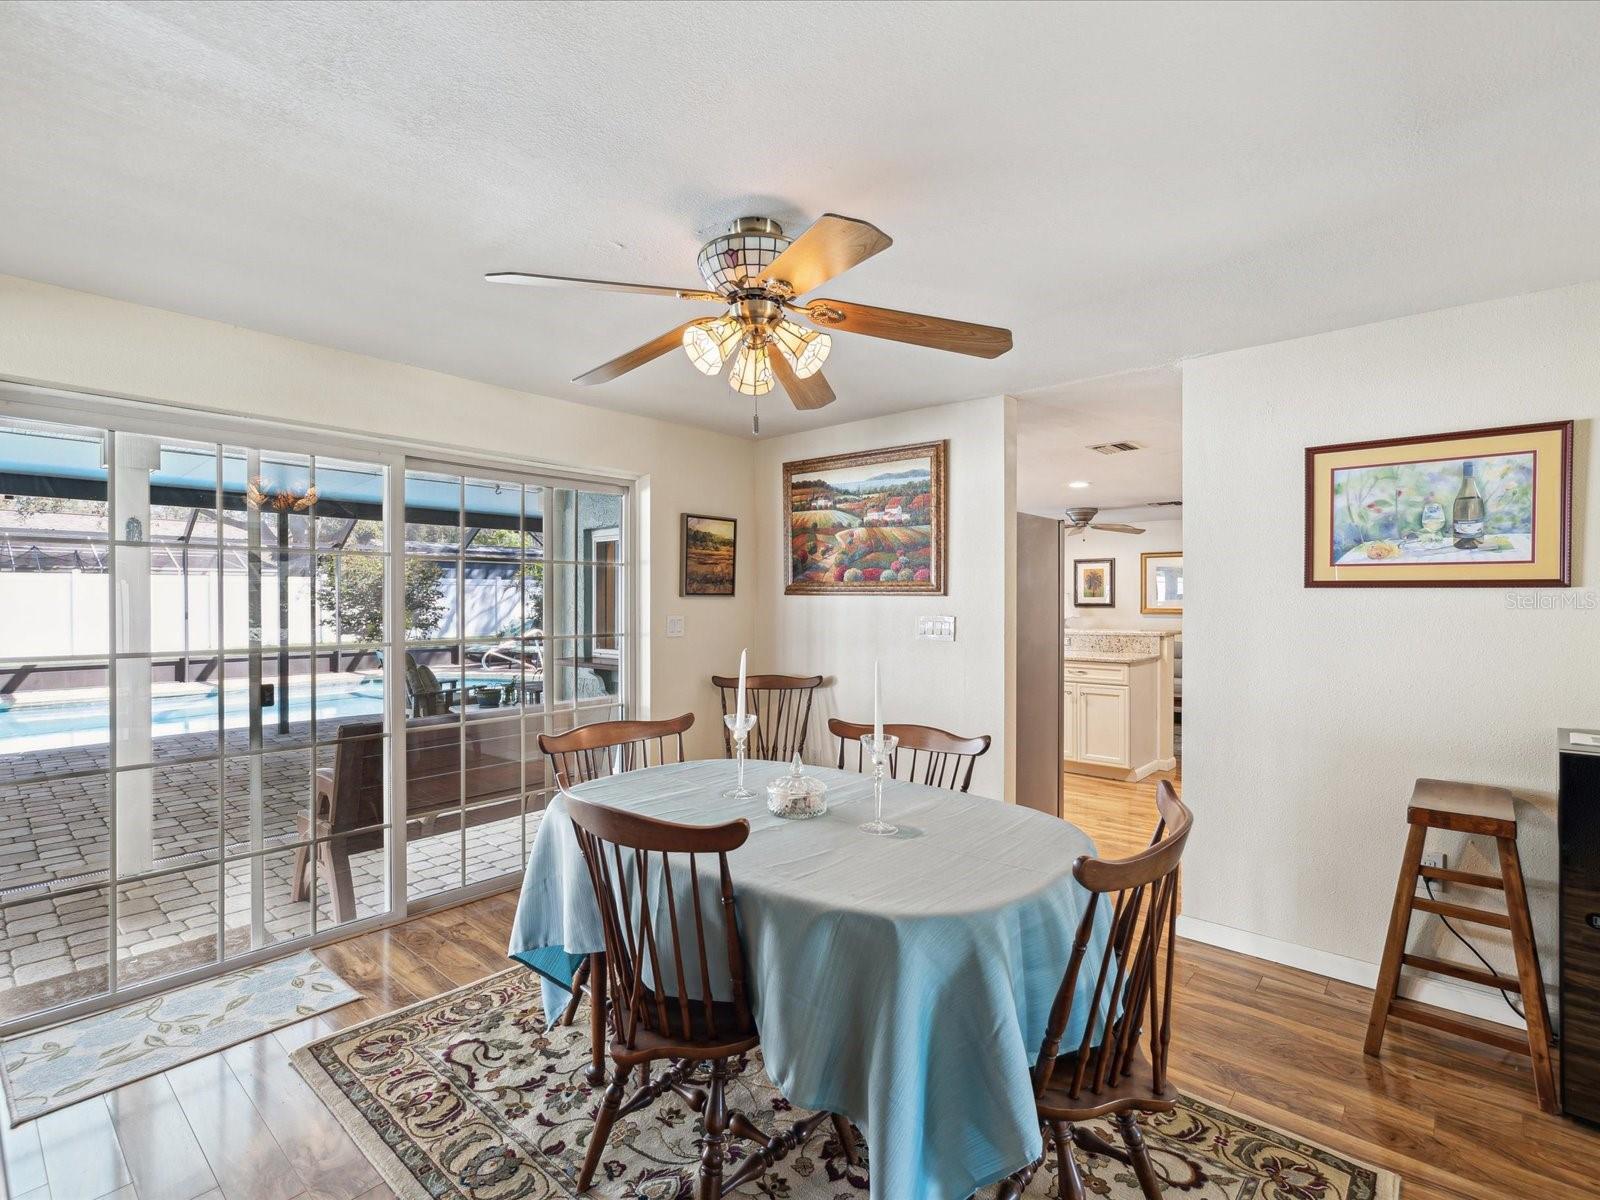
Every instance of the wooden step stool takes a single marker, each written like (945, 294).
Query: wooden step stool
(1489, 812)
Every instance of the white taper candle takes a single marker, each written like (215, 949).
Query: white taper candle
(877, 708)
(739, 712)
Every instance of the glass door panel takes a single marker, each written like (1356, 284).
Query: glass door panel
(173, 805)
(498, 599)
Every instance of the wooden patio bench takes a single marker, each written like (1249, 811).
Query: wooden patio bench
(350, 793)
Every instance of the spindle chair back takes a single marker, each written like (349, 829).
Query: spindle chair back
(782, 707)
(924, 754)
(612, 747)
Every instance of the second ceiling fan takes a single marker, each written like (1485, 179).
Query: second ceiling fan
(759, 273)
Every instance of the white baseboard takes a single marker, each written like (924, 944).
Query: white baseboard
(1462, 998)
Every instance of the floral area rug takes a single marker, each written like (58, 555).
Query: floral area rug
(468, 1097)
(54, 1067)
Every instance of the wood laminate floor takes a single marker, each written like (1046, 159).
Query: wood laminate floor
(1456, 1119)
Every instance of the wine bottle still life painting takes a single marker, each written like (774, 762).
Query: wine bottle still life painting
(1476, 509)
(1446, 510)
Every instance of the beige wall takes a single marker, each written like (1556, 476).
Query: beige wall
(58, 337)
(1125, 549)
(964, 686)
(1308, 713)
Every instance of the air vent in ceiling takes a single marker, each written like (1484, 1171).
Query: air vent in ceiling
(1115, 447)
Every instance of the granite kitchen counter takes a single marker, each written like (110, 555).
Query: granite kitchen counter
(1110, 656)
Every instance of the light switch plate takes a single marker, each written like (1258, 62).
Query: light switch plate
(674, 626)
(936, 629)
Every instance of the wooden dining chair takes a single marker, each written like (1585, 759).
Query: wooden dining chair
(659, 967)
(782, 705)
(1118, 1068)
(607, 748)
(924, 754)
(612, 747)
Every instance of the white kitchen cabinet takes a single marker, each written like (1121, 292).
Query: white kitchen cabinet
(1109, 717)
(1103, 724)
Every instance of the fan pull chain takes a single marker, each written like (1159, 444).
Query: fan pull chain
(755, 416)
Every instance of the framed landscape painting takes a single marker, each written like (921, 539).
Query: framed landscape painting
(710, 549)
(1094, 582)
(1481, 508)
(867, 523)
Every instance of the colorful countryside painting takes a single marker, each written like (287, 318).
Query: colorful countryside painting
(1479, 508)
(869, 522)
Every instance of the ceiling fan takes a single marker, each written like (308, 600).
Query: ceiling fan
(1080, 520)
(758, 273)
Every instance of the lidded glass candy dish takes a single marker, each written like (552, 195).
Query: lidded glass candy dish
(797, 796)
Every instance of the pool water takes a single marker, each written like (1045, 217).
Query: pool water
(50, 725)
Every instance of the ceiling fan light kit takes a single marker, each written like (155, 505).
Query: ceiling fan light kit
(757, 271)
(711, 341)
(752, 371)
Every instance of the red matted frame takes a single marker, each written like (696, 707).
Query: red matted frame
(1563, 518)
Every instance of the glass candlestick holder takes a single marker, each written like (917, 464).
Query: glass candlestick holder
(741, 737)
(881, 752)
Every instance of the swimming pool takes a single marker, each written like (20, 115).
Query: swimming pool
(52, 721)
(43, 723)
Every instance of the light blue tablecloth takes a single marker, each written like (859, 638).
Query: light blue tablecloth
(904, 982)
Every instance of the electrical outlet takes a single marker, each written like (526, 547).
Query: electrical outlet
(1436, 858)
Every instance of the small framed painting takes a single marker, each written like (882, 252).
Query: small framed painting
(710, 550)
(867, 523)
(1481, 508)
(1161, 583)
(1094, 582)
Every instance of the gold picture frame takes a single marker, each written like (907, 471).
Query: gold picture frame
(1155, 569)
(1476, 508)
(871, 522)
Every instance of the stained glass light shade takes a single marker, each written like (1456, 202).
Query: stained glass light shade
(727, 262)
(806, 349)
(710, 342)
(752, 372)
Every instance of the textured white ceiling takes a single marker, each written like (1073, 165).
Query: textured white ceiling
(1123, 185)
(1056, 427)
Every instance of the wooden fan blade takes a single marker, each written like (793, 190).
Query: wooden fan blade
(939, 333)
(604, 285)
(806, 394)
(830, 247)
(1113, 527)
(636, 357)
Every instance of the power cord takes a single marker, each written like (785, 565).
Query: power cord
(1505, 995)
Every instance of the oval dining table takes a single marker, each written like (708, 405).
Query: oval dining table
(903, 981)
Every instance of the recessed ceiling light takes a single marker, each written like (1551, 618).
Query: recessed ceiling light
(1079, 483)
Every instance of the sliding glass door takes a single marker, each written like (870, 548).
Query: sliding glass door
(515, 618)
(203, 729)
(191, 666)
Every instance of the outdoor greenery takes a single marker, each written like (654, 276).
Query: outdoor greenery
(357, 589)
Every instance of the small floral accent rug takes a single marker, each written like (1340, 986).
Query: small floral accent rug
(55, 1067)
(469, 1097)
